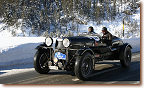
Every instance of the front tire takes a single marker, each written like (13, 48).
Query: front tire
(125, 57)
(41, 62)
(84, 66)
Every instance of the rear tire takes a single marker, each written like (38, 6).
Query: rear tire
(125, 57)
(84, 66)
(41, 62)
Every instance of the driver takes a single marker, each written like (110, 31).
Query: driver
(107, 36)
(91, 30)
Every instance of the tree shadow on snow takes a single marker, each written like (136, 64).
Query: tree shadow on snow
(20, 57)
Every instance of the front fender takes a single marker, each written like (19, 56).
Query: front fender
(41, 46)
(80, 52)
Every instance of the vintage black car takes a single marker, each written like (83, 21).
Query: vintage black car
(79, 54)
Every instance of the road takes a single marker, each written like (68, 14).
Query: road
(106, 72)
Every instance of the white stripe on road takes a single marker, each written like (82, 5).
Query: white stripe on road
(75, 79)
(136, 56)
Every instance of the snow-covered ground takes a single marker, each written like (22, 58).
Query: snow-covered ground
(18, 50)
(135, 43)
(11, 42)
(21, 50)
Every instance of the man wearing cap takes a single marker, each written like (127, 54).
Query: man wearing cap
(91, 30)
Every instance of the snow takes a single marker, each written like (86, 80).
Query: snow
(134, 42)
(12, 42)
(16, 30)
(15, 71)
(16, 50)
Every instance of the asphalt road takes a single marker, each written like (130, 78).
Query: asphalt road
(106, 72)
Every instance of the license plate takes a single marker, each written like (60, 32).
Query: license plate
(60, 55)
(53, 67)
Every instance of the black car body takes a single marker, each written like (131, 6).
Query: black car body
(79, 54)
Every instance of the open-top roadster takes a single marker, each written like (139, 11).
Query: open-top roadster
(79, 54)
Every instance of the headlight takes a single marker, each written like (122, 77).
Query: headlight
(66, 42)
(48, 41)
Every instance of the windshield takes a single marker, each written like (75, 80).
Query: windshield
(87, 34)
(95, 36)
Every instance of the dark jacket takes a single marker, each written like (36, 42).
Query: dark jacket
(107, 38)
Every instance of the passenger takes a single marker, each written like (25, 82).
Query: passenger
(91, 30)
(107, 36)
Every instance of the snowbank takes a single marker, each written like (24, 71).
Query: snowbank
(12, 42)
(135, 43)
(17, 50)
(20, 50)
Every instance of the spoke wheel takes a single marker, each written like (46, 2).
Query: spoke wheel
(125, 57)
(84, 66)
(41, 62)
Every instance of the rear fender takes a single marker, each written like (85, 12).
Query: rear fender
(125, 45)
